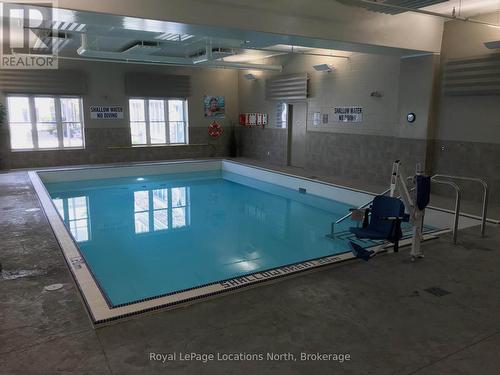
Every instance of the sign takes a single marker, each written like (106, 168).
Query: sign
(316, 118)
(101, 112)
(348, 114)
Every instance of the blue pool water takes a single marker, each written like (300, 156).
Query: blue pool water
(144, 237)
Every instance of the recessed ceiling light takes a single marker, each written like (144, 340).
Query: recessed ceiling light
(324, 68)
(250, 77)
(492, 45)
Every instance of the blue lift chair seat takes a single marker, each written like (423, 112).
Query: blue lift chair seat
(386, 215)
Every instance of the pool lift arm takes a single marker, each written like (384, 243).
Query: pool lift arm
(410, 198)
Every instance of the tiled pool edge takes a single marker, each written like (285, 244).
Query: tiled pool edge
(94, 298)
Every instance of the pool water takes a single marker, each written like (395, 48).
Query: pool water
(148, 236)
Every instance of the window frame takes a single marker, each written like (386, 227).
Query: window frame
(59, 122)
(167, 121)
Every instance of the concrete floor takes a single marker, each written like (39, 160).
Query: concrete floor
(378, 312)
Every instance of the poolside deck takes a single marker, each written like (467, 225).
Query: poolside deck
(378, 312)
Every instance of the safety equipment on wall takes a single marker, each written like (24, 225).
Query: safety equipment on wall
(253, 119)
(215, 130)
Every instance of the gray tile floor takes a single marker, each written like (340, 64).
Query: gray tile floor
(378, 312)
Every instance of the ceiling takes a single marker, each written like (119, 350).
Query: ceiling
(82, 34)
(466, 8)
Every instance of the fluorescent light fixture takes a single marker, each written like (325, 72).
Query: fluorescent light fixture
(143, 48)
(68, 26)
(250, 77)
(140, 179)
(324, 68)
(47, 40)
(173, 37)
(200, 59)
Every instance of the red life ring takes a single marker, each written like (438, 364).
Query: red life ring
(215, 130)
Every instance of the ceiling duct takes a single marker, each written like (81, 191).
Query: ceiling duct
(99, 55)
(392, 6)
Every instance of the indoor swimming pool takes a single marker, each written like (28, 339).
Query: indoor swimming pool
(150, 236)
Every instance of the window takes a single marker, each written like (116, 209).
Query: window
(158, 121)
(281, 115)
(75, 213)
(161, 209)
(45, 122)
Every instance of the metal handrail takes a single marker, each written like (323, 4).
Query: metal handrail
(458, 192)
(485, 195)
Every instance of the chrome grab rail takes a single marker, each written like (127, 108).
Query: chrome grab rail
(485, 195)
(458, 193)
(348, 215)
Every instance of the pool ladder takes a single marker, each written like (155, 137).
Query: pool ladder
(442, 179)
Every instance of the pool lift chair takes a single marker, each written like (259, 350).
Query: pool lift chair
(382, 221)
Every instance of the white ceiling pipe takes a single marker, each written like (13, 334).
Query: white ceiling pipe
(84, 51)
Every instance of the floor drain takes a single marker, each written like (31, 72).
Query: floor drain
(438, 292)
(50, 288)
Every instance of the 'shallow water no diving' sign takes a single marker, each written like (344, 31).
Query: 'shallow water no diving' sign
(101, 112)
(348, 114)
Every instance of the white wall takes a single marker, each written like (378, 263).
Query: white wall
(417, 87)
(406, 86)
(106, 85)
(468, 118)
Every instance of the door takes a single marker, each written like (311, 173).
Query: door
(297, 135)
